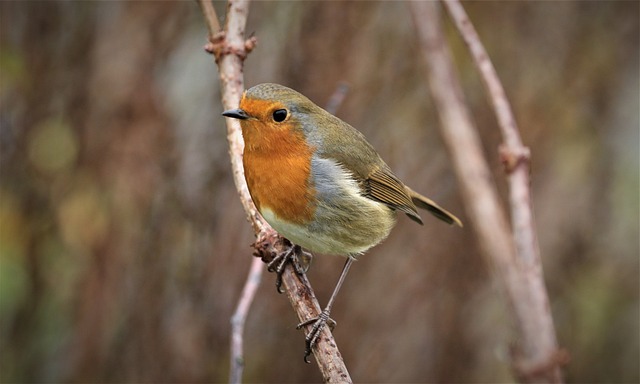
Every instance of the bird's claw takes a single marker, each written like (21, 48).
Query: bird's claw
(312, 337)
(299, 259)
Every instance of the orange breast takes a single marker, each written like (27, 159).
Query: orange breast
(277, 164)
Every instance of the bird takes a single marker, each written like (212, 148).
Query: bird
(319, 183)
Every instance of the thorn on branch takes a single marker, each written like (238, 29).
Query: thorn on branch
(250, 44)
(511, 158)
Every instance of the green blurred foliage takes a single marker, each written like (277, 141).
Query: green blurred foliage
(123, 247)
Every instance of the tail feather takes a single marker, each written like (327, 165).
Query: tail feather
(431, 206)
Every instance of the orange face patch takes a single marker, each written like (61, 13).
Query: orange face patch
(277, 163)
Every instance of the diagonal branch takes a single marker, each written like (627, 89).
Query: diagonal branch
(516, 158)
(210, 17)
(540, 344)
(536, 357)
(230, 48)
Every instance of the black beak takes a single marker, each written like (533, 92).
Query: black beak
(236, 114)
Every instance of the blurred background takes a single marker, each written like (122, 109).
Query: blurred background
(124, 247)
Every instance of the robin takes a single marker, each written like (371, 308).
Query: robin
(318, 182)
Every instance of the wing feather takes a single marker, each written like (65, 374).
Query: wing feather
(384, 186)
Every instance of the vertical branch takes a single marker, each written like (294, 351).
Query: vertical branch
(230, 49)
(541, 341)
(239, 317)
(515, 156)
(534, 360)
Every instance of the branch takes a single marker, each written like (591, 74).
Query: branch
(306, 305)
(210, 17)
(522, 281)
(540, 344)
(230, 48)
(240, 316)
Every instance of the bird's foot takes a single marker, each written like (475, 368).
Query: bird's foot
(312, 337)
(299, 259)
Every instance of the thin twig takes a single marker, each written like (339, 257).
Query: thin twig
(230, 48)
(232, 84)
(210, 16)
(240, 316)
(539, 344)
(230, 58)
(480, 196)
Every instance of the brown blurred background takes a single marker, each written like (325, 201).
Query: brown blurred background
(124, 246)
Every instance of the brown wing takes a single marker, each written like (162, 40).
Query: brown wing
(383, 186)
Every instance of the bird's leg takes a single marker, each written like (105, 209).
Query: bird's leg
(299, 259)
(323, 319)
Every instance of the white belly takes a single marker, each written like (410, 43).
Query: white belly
(345, 222)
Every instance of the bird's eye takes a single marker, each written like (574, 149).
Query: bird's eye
(279, 115)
